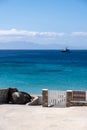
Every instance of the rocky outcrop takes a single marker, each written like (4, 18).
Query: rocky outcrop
(4, 95)
(14, 96)
(20, 98)
(11, 91)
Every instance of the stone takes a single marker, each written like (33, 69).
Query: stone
(4, 95)
(20, 98)
(11, 91)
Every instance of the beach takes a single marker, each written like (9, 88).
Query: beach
(23, 117)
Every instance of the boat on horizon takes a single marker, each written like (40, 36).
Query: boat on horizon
(65, 50)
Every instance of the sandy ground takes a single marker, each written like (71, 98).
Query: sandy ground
(21, 117)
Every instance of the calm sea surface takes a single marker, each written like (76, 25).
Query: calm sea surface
(34, 70)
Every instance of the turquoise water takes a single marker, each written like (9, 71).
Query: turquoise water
(34, 70)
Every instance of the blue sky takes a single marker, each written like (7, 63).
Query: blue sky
(43, 24)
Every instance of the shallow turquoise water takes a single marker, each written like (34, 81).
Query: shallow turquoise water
(33, 71)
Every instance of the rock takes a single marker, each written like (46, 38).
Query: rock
(20, 98)
(11, 91)
(4, 95)
(34, 101)
(27, 96)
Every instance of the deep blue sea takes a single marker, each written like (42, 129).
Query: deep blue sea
(34, 70)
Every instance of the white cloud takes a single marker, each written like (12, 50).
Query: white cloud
(42, 38)
(25, 35)
(79, 34)
(51, 34)
(29, 33)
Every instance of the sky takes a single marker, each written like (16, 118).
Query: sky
(43, 24)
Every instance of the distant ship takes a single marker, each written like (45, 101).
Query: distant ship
(65, 50)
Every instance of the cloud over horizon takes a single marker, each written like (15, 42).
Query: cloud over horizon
(43, 38)
(15, 32)
(79, 34)
(29, 33)
(25, 35)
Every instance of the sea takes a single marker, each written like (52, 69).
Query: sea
(34, 70)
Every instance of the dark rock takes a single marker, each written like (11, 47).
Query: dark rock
(11, 91)
(4, 95)
(20, 98)
(27, 96)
